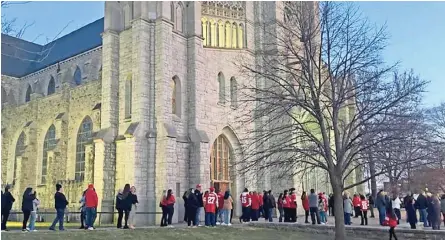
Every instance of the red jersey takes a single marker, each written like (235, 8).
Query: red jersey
(364, 205)
(255, 202)
(286, 202)
(220, 201)
(305, 202)
(293, 201)
(325, 204)
(211, 203)
(245, 199)
(356, 201)
(261, 199)
(170, 200)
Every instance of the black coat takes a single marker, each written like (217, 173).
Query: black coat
(7, 200)
(60, 201)
(198, 195)
(119, 202)
(193, 202)
(421, 202)
(129, 201)
(27, 204)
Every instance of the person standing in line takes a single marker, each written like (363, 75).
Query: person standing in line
(60, 203)
(163, 205)
(227, 208)
(429, 209)
(364, 210)
(246, 202)
(380, 204)
(7, 202)
(436, 218)
(347, 208)
(392, 223)
(421, 204)
(266, 205)
(220, 211)
(293, 206)
(27, 207)
(91, 203)
(171, 200)
(198, 193)
(313, 207)
(305, 203)
(280, 208)
(185, 198)
(286, 206)
(411, 211)
(261, 200)
(356, 202)
(255, 207)
(331, 204)
(35, 206)
(395, 204)
(272, 205)
(119, 208)
(126, 203)
(371, 205)
(210, 205)
(192, 206)
(134, 204)
(321, 209)
(82, 211)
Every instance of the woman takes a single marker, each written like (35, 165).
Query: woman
(347, 207)
(286, 205)
(280, 207)
(305, 203)
(436, 218)
(227, 208)
(411, 212)
(35, 205)
(170, 203)
(119, 207)
(163, 206)
(82, 210)
(7, 201)
(395, 204)
(322, 209)
(392, 223)
(134, 201)
(192, 208)
(185, 197)
(126, 203)
(27, 207)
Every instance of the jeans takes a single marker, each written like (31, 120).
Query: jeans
(323, 218)
(191, 216)
(5, 216)
(120, 216)
(220, 216)
(269, 214)
(170, 212)
(164, 219)
(210, 219)
(91, 215)
(254, 214)
(246, 214)
(32, 221)
(424, 217)
(280, 210)
(82, 218)
(347, 218)
(26, 214)
(198, 215)
(399, 216)
(314, 214)
(382, 214)
(59, 218)
(306, 214)
(364, 220)
(226, 213)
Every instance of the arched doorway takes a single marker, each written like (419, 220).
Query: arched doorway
(220, 158)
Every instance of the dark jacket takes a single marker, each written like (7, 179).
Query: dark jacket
(119, 201)
(60, 201)
(371, 200)
(199, 198)
(273, 203)
(380, 201)
(421, 202)
(430, 207)
(192, 201)
(410, 210)
(27, 204)
(129, 201)
(7, 200)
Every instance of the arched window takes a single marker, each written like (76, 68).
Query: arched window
(4, 95)
(48, 144)
(51, 86)
(77, 76)
(220, 159)
(204, 31)
(84, 137)
(179, 16)
(176, 96)
(234, 34)
(19, 150)
(222, 88)
(172, 12)
(233, 92)
(213, 33)
(228, 34)
(128, 97)
(240, 36)
(221, 35)
(127, 15)
(28, 94)
(99, 77)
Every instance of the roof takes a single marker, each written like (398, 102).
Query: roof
(20, 57)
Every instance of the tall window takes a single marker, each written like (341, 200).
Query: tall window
(176, 96)
(77, 76)
(128, 97)
(19, 150)
(219, 159)
(222, 88)
(51, 86)
(48, 144)
(100, 74)
(233, 92)
(179, 16)
(28, 94)
(84, 137)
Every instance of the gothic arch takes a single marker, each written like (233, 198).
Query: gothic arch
(179, 17)
(128, 97)
(49, 143)
(84, 137)
(233, 92)
(28, 94)
(221, 88)
(51, 86)
(77, 77)
(176, 96)
(11, 98)
(20, 147)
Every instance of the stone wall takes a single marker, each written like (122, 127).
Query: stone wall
(359, 232)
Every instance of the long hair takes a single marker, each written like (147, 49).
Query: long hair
(280, 196)
(126, 190)
(169, 194)
(303, 196)
(28, 191)
(227, 195)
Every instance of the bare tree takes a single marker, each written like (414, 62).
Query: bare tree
(436, 118)
(321, 95)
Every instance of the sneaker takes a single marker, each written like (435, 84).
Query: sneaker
(52, 229)
(199, 225)
(25, 230)
(35, 230)
(82, 227)
(90, 228)
(229, 224)
(223, 224)
(218, 223)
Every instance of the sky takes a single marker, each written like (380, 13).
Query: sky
(417, 31)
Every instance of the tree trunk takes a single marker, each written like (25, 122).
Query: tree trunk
(373, 178)
(337, 187)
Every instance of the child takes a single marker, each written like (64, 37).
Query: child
(364, 209)
(391, 221)
(32, 221)
(322, 209)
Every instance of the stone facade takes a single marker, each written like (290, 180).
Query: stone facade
(157, 96)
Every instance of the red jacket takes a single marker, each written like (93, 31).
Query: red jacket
(255, 202)
(170, 200)
(356, 201)
(305, 202)
(220, 201)
(293, 201)
(261, 199)
(286, 202)
(211, 203)
(91, 200)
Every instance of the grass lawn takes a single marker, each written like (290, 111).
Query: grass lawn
(226, 233)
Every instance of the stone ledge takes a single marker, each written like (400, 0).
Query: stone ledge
(370, 232)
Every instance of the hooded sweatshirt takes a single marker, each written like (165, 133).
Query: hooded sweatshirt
(27, 204)
(91, 200)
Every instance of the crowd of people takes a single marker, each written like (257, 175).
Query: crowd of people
(218, 207)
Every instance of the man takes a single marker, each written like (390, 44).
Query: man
(91, 202)
(422, 204)
(380, 204)
(219, 215)
(246, 202)
(313, 207)
(293, 205)
(271, 205)
(198, 194)
(356, 202)
(7, 201)
(60, 203)
(211, 204)
(371, 204)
